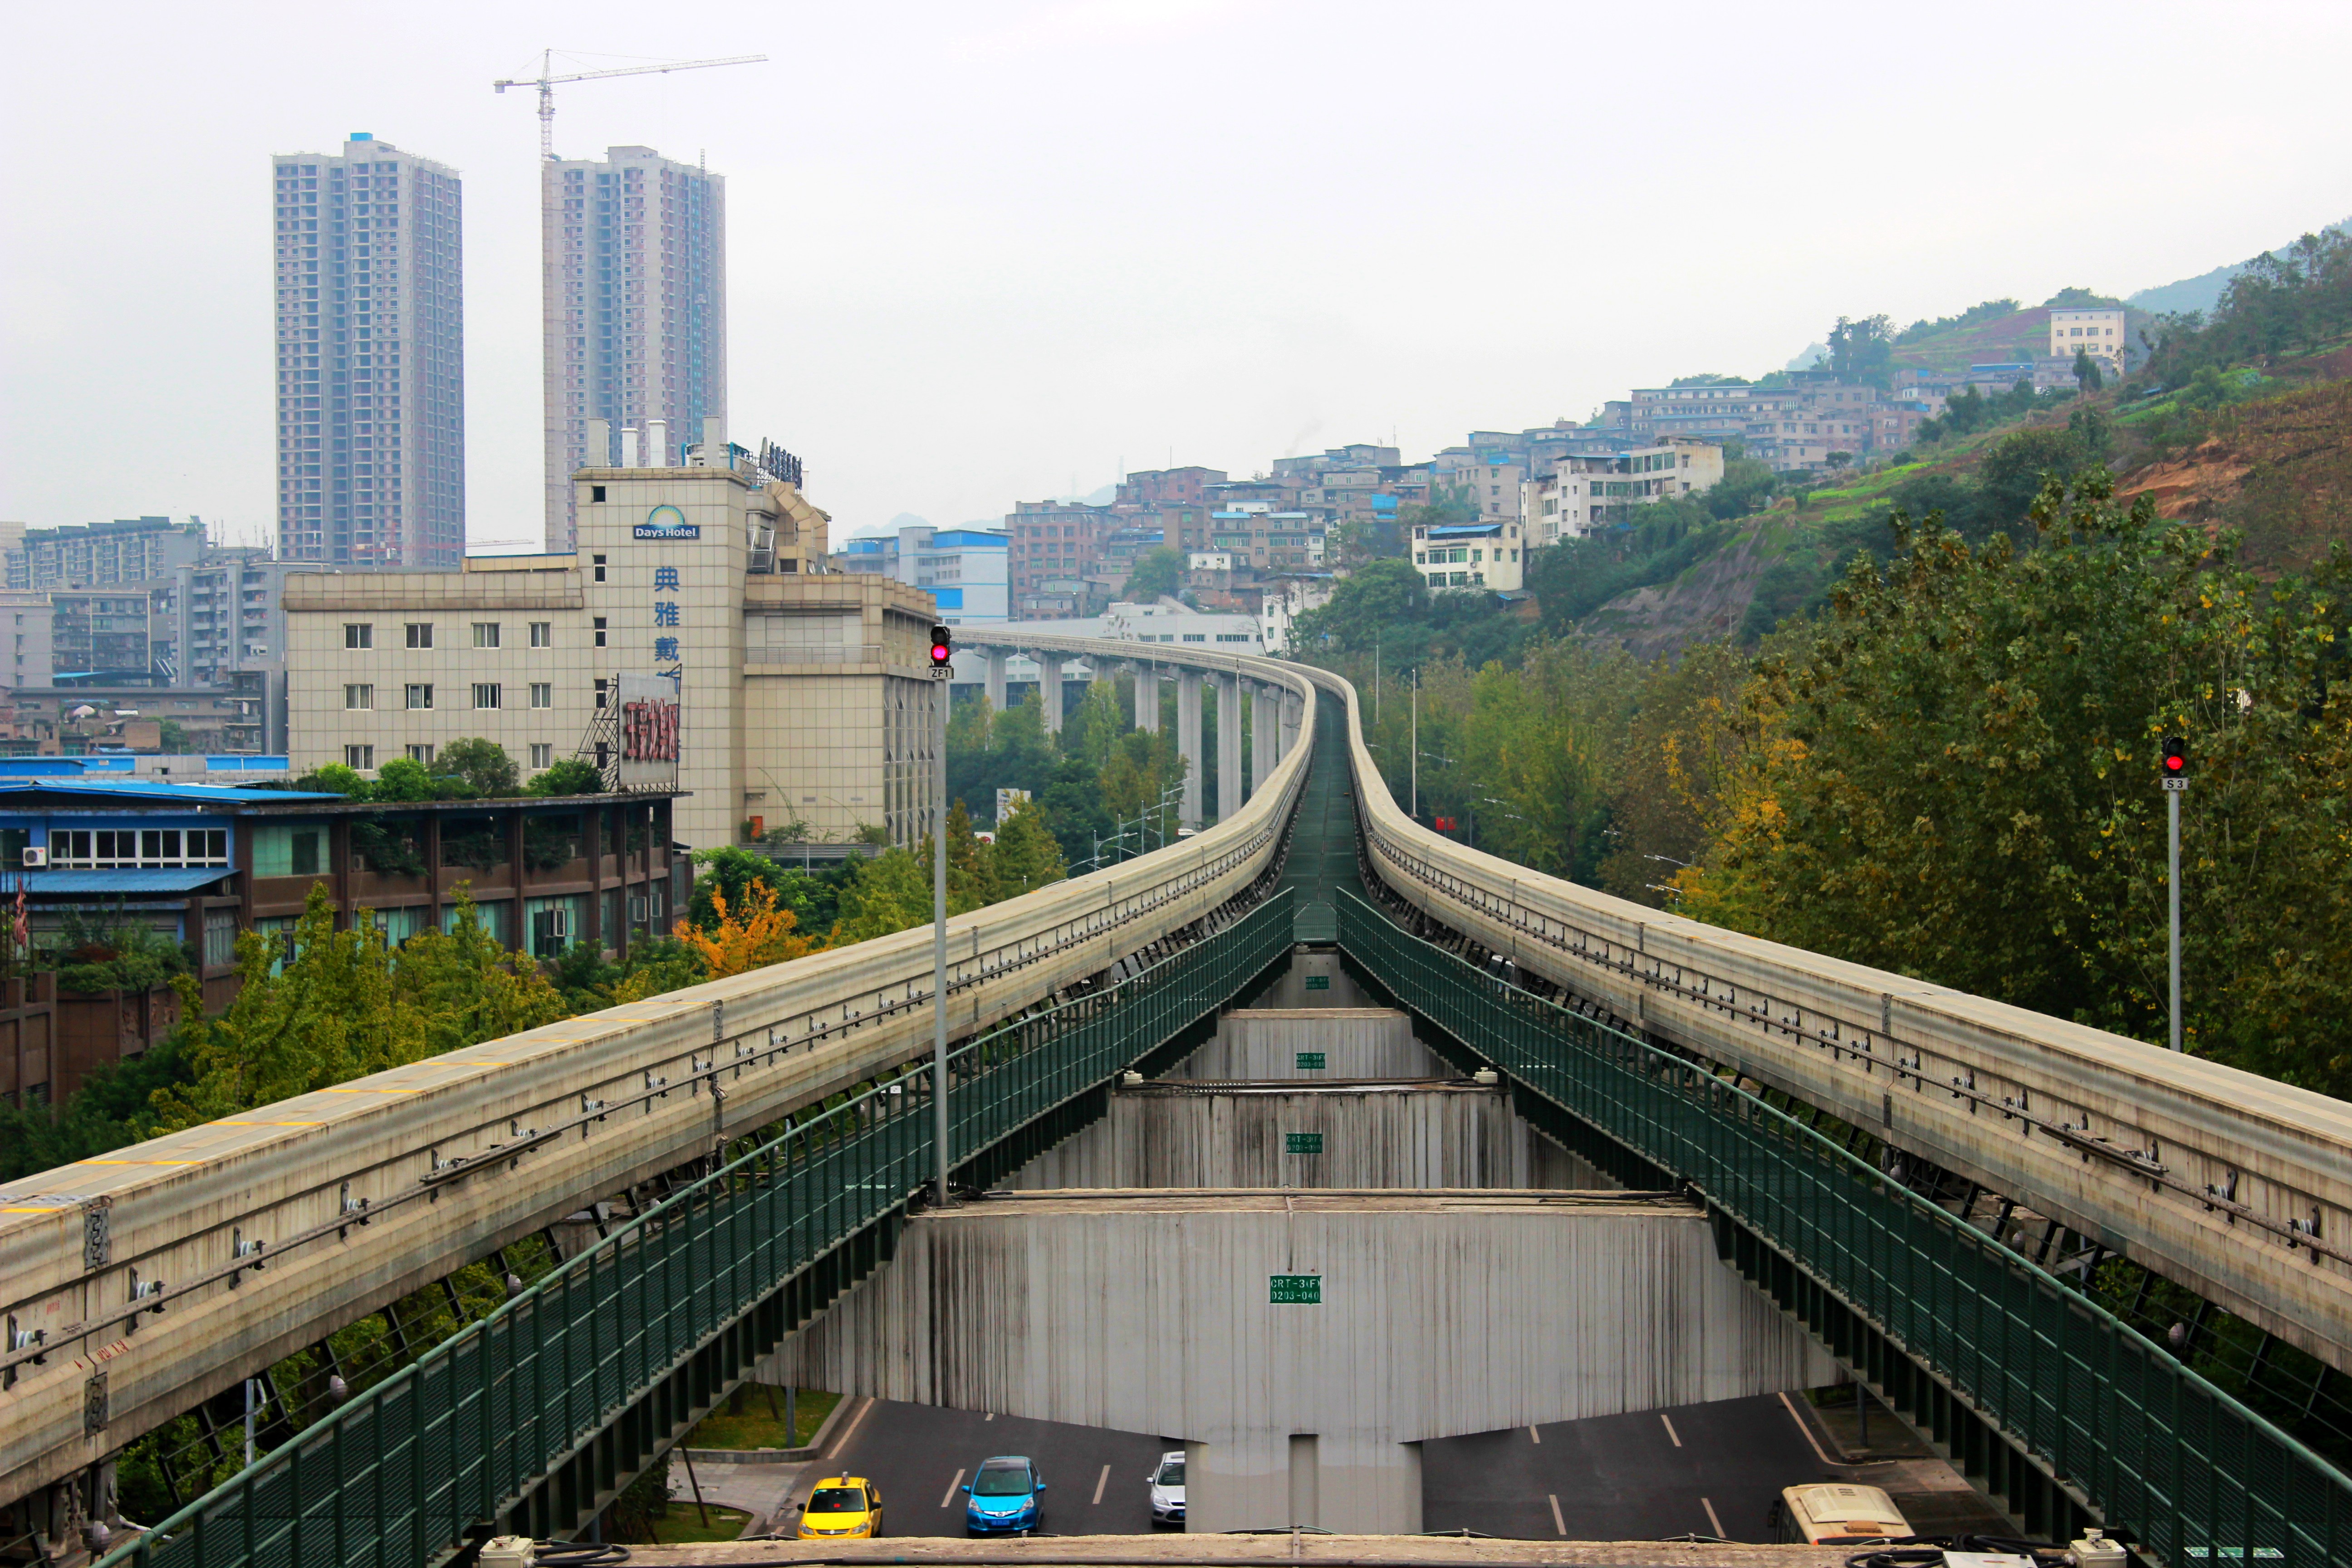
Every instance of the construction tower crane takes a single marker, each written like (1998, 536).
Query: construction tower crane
(546, 84)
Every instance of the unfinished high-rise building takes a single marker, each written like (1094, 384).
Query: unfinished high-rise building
(634, 254)
(370, 337)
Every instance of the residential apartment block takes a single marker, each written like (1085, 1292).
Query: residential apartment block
(1054, 545)
(1584, 493)
(1470, 555)
(634, 262)
(369, 330)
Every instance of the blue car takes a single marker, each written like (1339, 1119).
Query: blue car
(1004, 1493)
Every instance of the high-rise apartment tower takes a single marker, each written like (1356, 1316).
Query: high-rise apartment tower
(371, 359)
(634, 252)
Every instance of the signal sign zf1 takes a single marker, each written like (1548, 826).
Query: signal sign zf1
(942, 652)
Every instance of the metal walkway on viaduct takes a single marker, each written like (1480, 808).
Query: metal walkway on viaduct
(1927, 1180)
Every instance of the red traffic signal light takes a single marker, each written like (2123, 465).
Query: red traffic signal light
(2176, 757)
(942, 647)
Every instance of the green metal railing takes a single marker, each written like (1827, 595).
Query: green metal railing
(400, 1473)
(2195, 1475)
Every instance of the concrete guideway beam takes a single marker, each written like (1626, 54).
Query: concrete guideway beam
(515, 1116)
(2234, 1185)
(1155, 1312)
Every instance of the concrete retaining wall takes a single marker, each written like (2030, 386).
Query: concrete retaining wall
(1379, 1136)
(1354, 1042)
(1441, 1314)
(1316, 978)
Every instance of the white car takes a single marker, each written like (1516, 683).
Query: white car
(1167, 1482)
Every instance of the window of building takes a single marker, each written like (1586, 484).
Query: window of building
(542, 694)
(358, 756)
(543, 754)
(220, 938)
(600, 694)
(360, 634)
(600, 620)
(420, 695)
(487, 694)
(422, 752)
(420, 634)
(87, 848)
(486, 634)
(357, 698)
(543, 634)
(597, 562)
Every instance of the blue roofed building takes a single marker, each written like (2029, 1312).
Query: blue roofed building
(1489, 555)
(196, 864)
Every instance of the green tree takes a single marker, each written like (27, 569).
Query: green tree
(1025, 855)
(570, 775)
(334, 779)
(174, 740)
(401, 779)
(1953, 777)
(1378, 596)
(1862, 351)
(2086, 371)
(483, 766)
(344, 1006)
(891, 893)
(1158, 573)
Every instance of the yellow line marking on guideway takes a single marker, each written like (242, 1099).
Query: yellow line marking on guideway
(1533, 1435)
(1558, 1525)
(1670, 1430)
(1703, 1502)
(1101, 1480)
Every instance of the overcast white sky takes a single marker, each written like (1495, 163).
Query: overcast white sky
(981, 252)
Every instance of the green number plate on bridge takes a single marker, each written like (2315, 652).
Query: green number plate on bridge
(1309, 1061)
(1317, 983)
(1300, 1143)
(1294, 1289)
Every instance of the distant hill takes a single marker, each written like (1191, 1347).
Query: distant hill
(2204, 291)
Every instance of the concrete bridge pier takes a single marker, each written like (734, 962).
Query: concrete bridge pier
(1228, 746)
(1294, 713)
(997, 659)
(1188, 742)
(1147, 698)
(1049, 688)
(1265, 735)
(1266, 1479)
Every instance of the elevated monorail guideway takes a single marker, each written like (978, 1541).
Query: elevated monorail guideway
(261, 1233)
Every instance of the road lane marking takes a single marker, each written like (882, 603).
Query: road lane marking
(1670, 1430)
(1557, 1523)
(1101, 1481)
(1703, 1502)
(989, 1417)
(1534, 1435)
(949, 1495)
(1805, 1426)
(840, 1444)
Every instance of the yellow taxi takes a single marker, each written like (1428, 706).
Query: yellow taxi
(845, 1506)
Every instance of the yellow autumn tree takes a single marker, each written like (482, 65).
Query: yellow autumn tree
(754, 936)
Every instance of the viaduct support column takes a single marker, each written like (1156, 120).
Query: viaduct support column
(1049, 689)
(1188, 741)
(1265, 735)
(995, 678)
(1229, 746)
(1147, 698)
(1294, 711)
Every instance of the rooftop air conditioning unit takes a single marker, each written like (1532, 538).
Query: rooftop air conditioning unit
(36, 856)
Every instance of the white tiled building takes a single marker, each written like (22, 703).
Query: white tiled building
(1488, 555)
(2100, 333)
(806, 694)
(370, 345)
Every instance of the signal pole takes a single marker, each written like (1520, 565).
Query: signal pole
(2176, 785)
(942, 673)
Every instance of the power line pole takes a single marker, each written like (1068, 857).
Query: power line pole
(943, 671)
(1416, 745)
(2176, 785)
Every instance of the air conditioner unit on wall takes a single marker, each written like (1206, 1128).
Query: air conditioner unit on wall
(36, 856)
